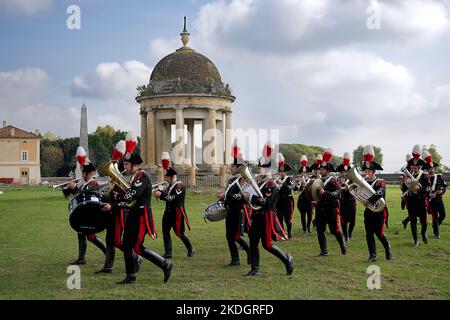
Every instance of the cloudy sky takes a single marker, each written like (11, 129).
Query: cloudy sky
(311, 68)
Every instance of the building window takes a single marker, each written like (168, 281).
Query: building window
(24, 141)
(24, 173)
(24, 155)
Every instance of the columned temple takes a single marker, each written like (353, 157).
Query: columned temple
(186, 91)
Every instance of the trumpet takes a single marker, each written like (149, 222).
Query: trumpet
(62, 185)
(162, 186)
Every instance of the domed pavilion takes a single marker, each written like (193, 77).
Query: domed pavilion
(186, 89)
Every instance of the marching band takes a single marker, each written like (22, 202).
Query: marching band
(260, 205)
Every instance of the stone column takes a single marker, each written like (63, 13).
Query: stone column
(179, 140)
(144, 136)
(159, 140)
(151, 138)
(228, 138)
(190, 150)
(212, 137)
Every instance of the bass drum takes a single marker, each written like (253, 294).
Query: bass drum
(311, 193)
(85, 213)
(216, 211)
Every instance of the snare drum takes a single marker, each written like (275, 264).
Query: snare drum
(216, 211)
(85, 212)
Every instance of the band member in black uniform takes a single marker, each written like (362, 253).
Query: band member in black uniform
(88, 172)
(304, 206)
(237, 212)
(327, 209)
(265, 225)
(315, 167)
(374, 222)
(140, 218)
(285, 203)
(347, 201)
(417, 197)
(437, 187)
(175, 214)
(118, 216)
(404, 189)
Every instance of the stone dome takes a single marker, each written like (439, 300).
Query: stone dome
(185, 64)
(185, 72)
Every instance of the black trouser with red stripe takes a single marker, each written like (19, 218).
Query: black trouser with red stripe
(374, 223)
(437, 210)
(114, 235)
(82, 244)
(174, 219)
(330, 217)
(285, 211)
(348, 217)
(233, 229)
(304, 206)
(133, 243)
(261, 229)
(417, 208)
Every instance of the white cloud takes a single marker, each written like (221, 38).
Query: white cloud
(112, 80)
(24, 102)
(27, 7)
(290, 26)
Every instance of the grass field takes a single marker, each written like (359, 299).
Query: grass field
(37, 243)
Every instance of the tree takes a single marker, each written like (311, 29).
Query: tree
(358, 155)
(101, 144)
(52, 158)
(293, 152)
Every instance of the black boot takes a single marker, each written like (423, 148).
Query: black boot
(341, 242)
(387, 248)
(139, 260)
(167, 245)
(109, 260)
(425, 238)
(168, 266)
(82, 245)
(99, 244)
(322, 244)
(372, 248)
(128, 280)
(244, 245)
(254, 252)
(188, 245)
(289, 228)
(414, 233)
(156, 259)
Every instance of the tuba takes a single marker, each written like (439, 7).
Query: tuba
(410, 181)
(119, 183)
(246, 181)
(361, 190)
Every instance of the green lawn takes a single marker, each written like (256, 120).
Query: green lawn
(36, 244)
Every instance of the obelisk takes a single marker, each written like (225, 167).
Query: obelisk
(84, 130)
(83, 138)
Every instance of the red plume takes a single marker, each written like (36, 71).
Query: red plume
(165, 159)
(327, 155)
(131, 141)
(81, 156)
(119, 150)
(267, 150)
